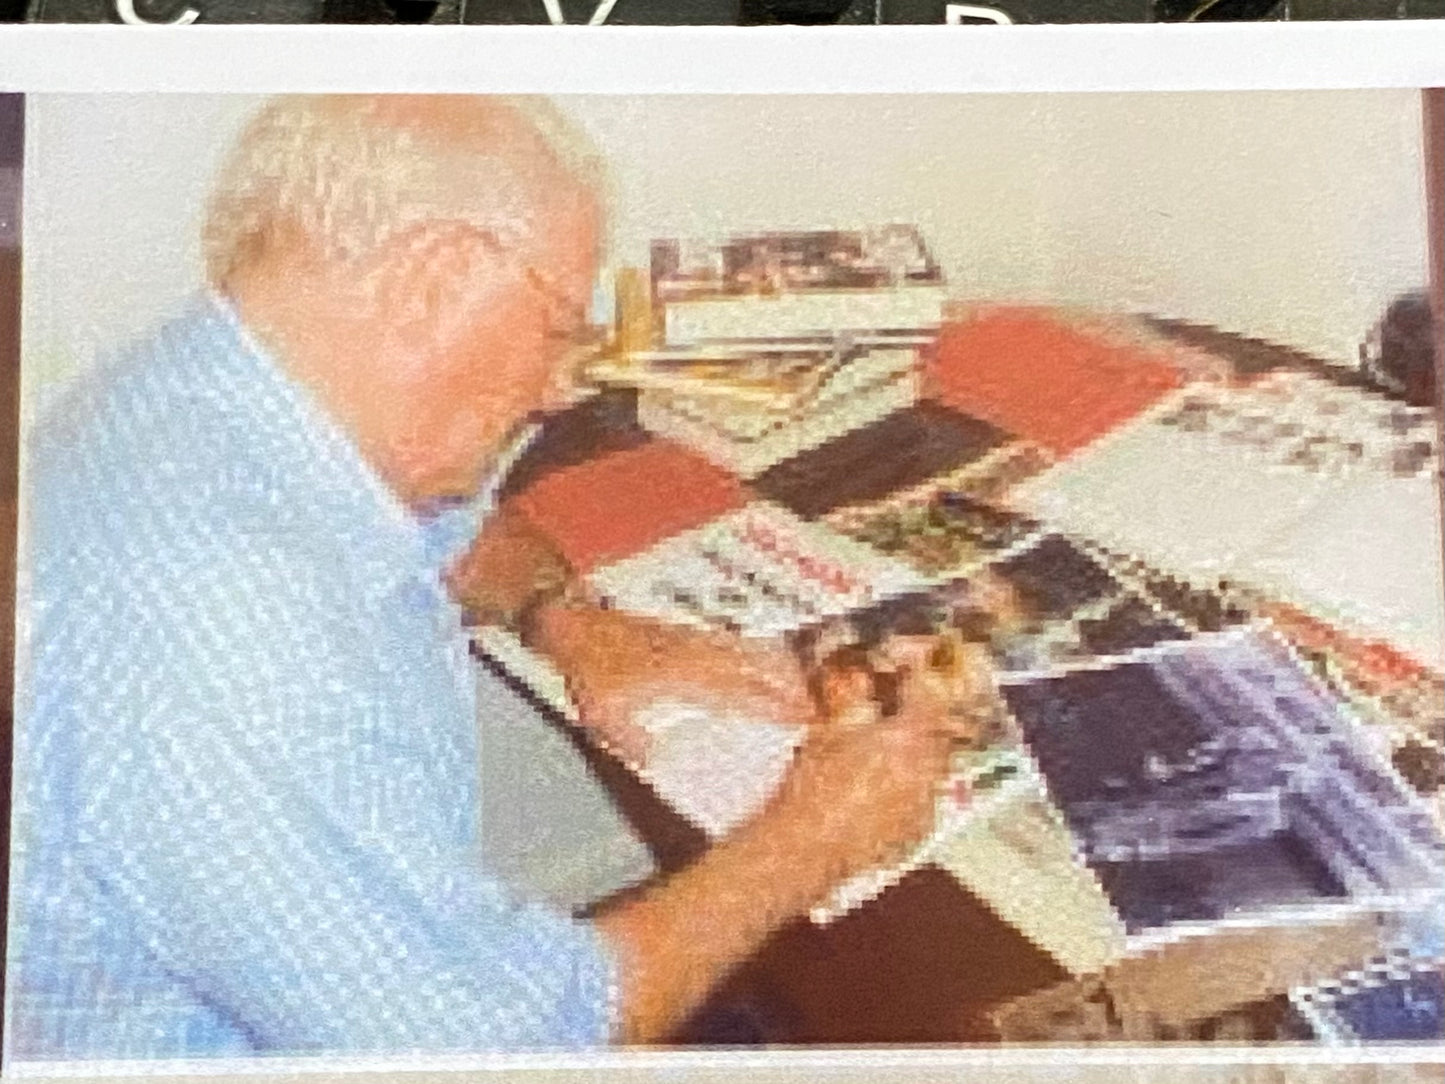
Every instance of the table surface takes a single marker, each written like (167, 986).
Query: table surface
(926, 961)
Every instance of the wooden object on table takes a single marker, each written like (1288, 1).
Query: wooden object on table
(635, 331)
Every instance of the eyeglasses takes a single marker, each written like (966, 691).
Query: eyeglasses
(567, 320)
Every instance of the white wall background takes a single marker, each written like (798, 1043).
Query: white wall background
(1293, 216)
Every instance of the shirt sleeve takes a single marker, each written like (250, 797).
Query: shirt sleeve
(214, 813)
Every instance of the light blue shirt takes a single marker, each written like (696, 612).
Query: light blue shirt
(246, 813)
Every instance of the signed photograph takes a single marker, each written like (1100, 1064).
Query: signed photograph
(524, 575)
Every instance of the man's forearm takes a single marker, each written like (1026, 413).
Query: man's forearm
(584, 653)
(679, 939)
(676, 942)
(619, 665)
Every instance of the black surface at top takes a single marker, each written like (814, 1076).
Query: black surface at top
(603, 424)
(906, 448)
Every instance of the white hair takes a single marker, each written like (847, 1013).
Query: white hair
(349, 181)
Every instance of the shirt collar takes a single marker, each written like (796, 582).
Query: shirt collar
(450, 526)
(395, 543)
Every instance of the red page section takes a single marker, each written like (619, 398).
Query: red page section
(1374, 665)
(1034, 375)
(623, 503)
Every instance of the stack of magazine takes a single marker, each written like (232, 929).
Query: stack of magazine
(767, 346)
(749, 407)
(796, 285)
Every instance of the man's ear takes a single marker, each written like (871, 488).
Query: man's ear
(426, 278)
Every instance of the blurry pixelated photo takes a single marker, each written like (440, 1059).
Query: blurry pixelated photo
(524, 575)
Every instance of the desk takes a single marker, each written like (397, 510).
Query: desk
(927, 960)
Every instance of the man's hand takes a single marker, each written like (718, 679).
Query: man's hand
(868, 785)
(618, 664)
(859, 796)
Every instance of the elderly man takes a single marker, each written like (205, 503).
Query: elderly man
(247, 813)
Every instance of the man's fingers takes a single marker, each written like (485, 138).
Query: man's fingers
(939, 684)
(956, 698)
(945, 665)
(906, 653)
(847, 695)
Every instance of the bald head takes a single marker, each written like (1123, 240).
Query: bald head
(345, 174)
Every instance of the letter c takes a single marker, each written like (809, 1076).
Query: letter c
(126, 10)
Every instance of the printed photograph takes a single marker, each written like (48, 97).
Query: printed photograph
(520, 575)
